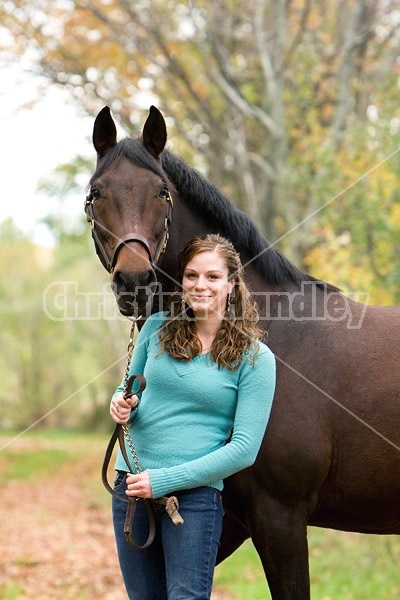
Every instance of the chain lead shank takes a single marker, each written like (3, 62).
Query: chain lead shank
(170, 502)
(127, 393)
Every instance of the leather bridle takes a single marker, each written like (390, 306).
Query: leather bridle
(108, 263)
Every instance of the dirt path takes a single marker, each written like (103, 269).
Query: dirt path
(56, 539)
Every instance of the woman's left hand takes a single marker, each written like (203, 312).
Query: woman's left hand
(139, 485)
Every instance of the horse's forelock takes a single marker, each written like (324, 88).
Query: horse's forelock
(133, 150)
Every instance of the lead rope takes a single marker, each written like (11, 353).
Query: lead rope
(170, 502)
(127, 394)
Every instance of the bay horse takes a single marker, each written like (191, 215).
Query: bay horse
(330, 456)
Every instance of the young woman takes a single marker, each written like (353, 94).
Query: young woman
(202, 417)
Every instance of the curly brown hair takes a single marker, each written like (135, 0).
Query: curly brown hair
(238, 332)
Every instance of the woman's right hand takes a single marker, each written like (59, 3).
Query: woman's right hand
(120, 407)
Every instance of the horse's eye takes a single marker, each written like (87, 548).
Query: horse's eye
(95, 193)
(163, 192)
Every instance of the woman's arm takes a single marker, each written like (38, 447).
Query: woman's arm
(255, 395)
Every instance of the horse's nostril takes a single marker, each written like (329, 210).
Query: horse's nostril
(146, 279)
(134, 293)
(126, 282)
(119, 280)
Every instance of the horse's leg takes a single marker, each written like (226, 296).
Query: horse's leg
(279, 535)
(233, 535)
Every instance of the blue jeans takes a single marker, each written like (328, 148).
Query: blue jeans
(179, 564)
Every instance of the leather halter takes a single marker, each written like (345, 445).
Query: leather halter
(109, 264)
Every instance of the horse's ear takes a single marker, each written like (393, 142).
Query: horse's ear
(154, 132)
(104, 132)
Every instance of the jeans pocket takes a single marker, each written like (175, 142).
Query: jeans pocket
(119, 480)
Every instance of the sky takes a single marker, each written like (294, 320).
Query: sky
(34, 140)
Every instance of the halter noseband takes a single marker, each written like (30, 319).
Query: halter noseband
(129, 237)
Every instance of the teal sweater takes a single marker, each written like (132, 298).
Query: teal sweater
(189, 410)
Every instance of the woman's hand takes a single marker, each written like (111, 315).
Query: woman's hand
(120, 407)
(139, 485)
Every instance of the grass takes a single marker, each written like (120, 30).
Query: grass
(241, 575)
(343, 566)
(29, 466)
(11, 591)
(350, 566)
(40, 453)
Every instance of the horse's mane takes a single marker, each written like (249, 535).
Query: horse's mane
(207, 200)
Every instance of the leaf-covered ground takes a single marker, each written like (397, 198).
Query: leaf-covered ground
(57, 543)
(56, 539)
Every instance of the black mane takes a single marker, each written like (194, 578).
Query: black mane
(206, 199)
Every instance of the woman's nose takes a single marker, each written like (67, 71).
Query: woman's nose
(200, 282)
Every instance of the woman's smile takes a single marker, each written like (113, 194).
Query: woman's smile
(198, 297)
(205, 284)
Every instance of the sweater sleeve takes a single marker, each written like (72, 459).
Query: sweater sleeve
(255, 394)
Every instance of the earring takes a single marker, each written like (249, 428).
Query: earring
(229, 306)
(186, 311)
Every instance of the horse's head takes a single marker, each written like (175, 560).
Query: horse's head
(129, 206)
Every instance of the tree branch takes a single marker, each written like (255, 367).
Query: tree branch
(358, 33)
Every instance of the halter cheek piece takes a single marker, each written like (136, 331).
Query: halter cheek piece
(129, 237)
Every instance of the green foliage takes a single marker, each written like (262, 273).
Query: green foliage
(291, 108)
(356, 237)
(272, 99)
(64, 339)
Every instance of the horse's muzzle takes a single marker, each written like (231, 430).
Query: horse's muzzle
(134, 292)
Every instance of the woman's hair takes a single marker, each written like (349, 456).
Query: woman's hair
(238, 332)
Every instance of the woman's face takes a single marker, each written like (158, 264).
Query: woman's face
(205, 285)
